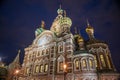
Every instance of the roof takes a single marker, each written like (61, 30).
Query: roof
(80, 52)
(93, 41)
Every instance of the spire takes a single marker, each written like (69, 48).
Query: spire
(75, 28)
(17, 59)
(90, 30)
(88, 24)
(60, 6)
(42, 24)
(79, 32)
(60, 11)
(64, 13)
(80, 41)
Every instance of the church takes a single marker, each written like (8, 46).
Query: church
(57, 54)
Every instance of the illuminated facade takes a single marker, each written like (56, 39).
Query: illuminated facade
(51, 49)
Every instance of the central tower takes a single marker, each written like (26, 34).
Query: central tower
(61, 24)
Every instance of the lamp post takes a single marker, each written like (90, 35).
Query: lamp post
(65, 71)
(16, 73)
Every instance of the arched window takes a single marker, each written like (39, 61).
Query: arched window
(91, 63)
(77, 64)
(95, 61)
(41, 68)
(60, 66)
(102, 60)
(46, 67)
(84, 64)
(60, 62)
(37, 69)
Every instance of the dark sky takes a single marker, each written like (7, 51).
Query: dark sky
(20, 18)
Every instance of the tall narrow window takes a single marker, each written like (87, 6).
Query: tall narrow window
(102, 60)
(37, 69)
(108, 59)
(41, 68)
(38, 53)
(46, 67)
(61, 48)
(95, 61)
(29, 57)
(77, 64)
(52, 49)
(27, 70)
(42, 52)
(61, 66)
(84, 63)
(47, 51)
(91, 63)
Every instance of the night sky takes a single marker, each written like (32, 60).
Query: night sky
(20, 18)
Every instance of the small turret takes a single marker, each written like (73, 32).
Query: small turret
(43, 24)
(60, 11)
(61, 24)
(40, 29)
(80, 42)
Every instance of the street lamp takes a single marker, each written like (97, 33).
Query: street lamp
(16, 73)
(65, 71)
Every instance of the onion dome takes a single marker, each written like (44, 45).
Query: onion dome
(90, 30)
(60, 11)
(65, 21)
(80, 39)
(41, 29)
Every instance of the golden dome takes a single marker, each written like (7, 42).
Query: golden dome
(65, 20)
(89, 28)
(80, 39)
